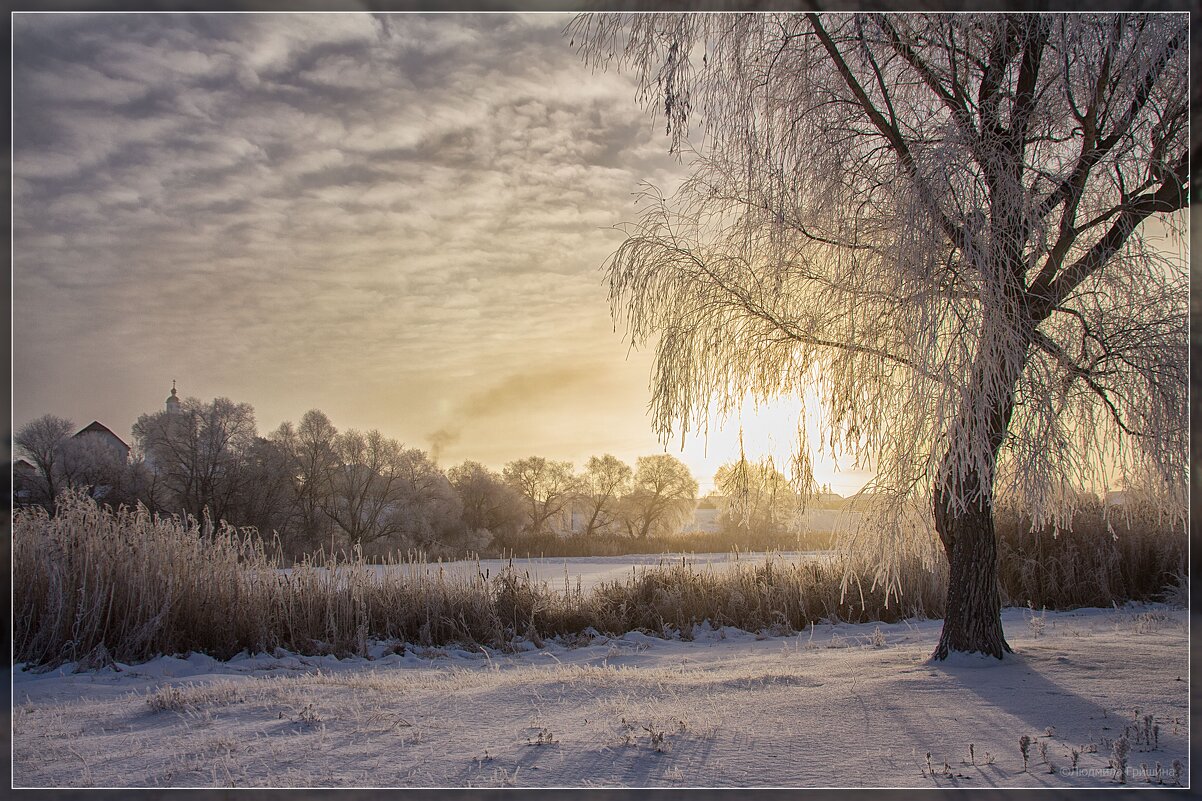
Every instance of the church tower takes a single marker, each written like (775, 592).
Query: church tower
(173, 400)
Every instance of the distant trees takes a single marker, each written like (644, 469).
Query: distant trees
(364, 487)
(41, 441)
(656, 499)
(662, 499)
(311, 485)
(606, 480)
(101, 469)
(265, 498)
(756, 496)
(199, 454)
(546, 486)
(88, 463)
(489, 504)
(308, 451)
(380, 490)
(427, 510)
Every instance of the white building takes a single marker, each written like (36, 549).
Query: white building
(102, 436)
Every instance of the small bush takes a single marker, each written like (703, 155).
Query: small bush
(191, 697)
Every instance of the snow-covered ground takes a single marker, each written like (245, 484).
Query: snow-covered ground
(586, 572)
(839, 705)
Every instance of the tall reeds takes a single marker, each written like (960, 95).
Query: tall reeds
(95, 584)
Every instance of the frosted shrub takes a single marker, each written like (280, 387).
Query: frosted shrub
(1036, 624)
(658, 739)
(308, 716)
(191, 697)
(1118, 760)
(166, 698)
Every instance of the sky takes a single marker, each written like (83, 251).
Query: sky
(399, 220)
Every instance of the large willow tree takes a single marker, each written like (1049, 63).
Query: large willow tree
(944, 226)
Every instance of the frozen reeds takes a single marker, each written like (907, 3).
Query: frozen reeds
(95, 584)
(1129, 554)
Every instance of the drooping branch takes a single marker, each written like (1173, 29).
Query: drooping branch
(1076, 371)
(891, 133)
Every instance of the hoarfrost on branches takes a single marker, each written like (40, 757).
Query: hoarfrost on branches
(941, 226)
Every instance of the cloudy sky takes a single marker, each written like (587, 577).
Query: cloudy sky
(398, 220)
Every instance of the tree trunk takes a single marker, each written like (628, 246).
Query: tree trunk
(972, 621)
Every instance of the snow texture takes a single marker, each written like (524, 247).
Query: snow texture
(837, 706)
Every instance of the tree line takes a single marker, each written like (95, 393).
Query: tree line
(314, 486)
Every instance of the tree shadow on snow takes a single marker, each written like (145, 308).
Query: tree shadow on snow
(1021, 686)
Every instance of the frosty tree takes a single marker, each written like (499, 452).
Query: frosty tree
(42, 440)
(663, 495)
(938, 225)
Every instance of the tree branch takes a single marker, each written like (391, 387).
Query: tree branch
(1077, 371)
(891, 133)
(1171, 196)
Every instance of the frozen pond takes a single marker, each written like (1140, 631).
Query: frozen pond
(559, 572)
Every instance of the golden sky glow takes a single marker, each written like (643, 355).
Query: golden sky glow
(396, 220)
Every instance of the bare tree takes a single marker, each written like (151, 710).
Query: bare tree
(266, 498)
(489, 504)
(41, 440)
(662, 497)
(312, 460)
(939, 226)
(428, 512)
(365, 485)
(92, 465)
(755, 496)
(199, 454)
(547, 487)
(605, 481)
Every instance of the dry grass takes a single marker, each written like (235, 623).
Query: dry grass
(132, 583)
(1133, 555)
(92, 585)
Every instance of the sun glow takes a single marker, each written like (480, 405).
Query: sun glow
(770, 430)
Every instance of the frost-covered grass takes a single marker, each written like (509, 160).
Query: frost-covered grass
(1132, 554)
(835, 705)
(95, 585)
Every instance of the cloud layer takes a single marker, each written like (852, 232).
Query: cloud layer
(382, 217)
(397, 219)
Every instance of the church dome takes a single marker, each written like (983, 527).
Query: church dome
(173, 399)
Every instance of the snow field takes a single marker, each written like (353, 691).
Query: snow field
(838, 705)
(583, 572)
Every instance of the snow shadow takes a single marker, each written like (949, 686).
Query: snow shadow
(1021, 686)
